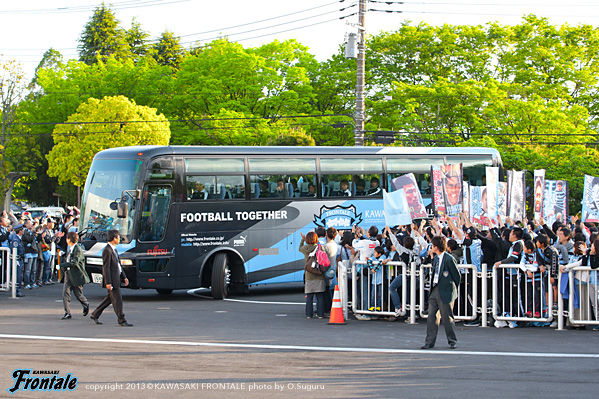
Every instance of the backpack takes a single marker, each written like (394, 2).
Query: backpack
(317, 261)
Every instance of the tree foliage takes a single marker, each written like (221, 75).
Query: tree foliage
(98, 125)
(529, 90)
(168, 50)
(102, 37)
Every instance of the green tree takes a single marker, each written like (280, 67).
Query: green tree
(137, 40)
(102, 37)
(15, 159)
(98, 125)
(168, 50)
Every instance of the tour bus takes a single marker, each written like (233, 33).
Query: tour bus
(229, 218)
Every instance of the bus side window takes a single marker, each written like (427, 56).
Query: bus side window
(199, 187)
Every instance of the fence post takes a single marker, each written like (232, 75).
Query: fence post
(560, 299)
(13, 265)
(484, 296)
(413, 293)
(353, 288)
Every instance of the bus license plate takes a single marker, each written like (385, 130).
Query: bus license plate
(97, 278)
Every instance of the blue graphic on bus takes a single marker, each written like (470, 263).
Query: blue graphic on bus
(339, 217)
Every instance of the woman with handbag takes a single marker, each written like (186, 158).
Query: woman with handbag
(314, 283)
(331, 250)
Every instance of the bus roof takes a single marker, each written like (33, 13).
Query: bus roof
(147, 152)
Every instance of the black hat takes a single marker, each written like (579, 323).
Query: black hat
(471, 231)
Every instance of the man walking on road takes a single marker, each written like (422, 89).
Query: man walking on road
(112, 274)
(74, 276)
(445, 278)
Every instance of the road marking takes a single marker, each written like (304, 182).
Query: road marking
(304, 348)
(193, 292)
(265, 302)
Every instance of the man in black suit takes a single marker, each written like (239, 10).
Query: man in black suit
(112, 274)
(445, 278)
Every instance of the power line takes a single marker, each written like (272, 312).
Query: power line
(484, 134)
(176, 120)
(124, 5)
(226, 28)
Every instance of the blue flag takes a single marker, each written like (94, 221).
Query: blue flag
(397, 211)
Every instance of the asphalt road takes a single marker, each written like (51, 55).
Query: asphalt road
(261, 345)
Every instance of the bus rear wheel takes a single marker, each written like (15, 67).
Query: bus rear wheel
(221, 276)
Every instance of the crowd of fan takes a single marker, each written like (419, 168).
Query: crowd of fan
(539, 250)
(39, 243)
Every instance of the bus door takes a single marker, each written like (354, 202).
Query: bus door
(156, 258)
(275, 256)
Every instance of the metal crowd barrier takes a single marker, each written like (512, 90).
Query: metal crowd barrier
(466, 306)
(9, 270)
(363, 290)
(4, 269)
(583, 281)
(516, 294)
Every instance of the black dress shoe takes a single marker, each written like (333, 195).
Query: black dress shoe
(125, 324)
(85, 310)
(66, 316)
(453, 345)
(427, 346)
(95, 320)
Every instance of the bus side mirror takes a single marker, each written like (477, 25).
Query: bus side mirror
(122, 209)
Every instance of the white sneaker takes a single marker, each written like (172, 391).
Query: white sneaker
(397, 312)
(512, 324)
(362, 317)
(500, 324)
(553, 325)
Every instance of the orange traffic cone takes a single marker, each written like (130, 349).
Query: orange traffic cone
(337, 309)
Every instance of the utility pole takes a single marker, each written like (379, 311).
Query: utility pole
(360, 76)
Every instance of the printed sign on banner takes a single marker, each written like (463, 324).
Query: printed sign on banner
(478, 205)
(492, 191)
(539, 191)
(397, 211)
(555, 201)
(516, 199)
(408, 184)
(437, 190)
(466, 201)
(590, 199)
(452, 188)
(502, 199)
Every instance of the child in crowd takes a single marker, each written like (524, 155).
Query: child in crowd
(533, 280)
(376, 269)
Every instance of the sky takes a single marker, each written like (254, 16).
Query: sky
(30, 27)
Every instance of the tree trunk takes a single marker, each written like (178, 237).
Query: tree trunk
(12, 178)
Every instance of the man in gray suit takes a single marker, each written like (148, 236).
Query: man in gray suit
(112, 274)
(75, 276)
(445, 278)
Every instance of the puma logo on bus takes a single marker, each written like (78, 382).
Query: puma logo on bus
(241, 242)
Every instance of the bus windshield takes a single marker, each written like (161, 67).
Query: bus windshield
(105, 183)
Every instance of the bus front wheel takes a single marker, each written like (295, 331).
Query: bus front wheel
(221, 276)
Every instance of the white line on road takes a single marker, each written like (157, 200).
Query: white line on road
(194, 293)
(304, 348)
